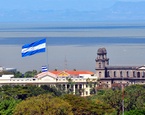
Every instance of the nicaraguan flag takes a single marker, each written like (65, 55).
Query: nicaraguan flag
(44, 68)
(33, 48)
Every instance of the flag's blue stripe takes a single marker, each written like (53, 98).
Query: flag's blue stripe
(34, 43)
(33, 52)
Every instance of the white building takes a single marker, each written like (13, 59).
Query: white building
(76, 82)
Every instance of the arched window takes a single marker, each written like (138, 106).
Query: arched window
(99, 74)
(133, 73)
(138, 74)
(143, 74)
(107, 62)
(108, 74)
(99, 57)
(114, 73)
(99, 65)
(127, 74)
(121, 74)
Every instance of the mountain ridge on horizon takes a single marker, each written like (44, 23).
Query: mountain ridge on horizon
(120, 11)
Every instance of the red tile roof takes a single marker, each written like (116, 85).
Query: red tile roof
(71, 72)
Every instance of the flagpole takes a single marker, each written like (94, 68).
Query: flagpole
(122, 96)
(47, 54)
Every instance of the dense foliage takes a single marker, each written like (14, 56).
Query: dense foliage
(23, 92)
(12, 95)
(27, 74)
(83, 106)
(133, 97)
(7, 106)
(135, 112)
(43, 105)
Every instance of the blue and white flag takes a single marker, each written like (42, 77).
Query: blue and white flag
(44, 68)
(33, 48)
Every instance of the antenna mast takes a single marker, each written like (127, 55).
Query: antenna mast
(65, 63)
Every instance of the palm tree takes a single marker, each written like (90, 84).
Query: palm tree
(92, 84)
(71, 84)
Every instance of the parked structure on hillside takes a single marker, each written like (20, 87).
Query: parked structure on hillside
(109, 75)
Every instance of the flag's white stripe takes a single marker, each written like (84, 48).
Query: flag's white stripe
(41, 46)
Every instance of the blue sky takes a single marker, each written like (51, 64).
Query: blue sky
(75, 29)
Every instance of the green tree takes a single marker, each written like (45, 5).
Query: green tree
(43, 105)
(29, 74)
(100, 108)
(135, 112)
(113, 98)
(84, 106)
(22, 92)
(54, 90)
(92, 84)
(7, 106)
(70, 84)
(80, 106)
(134, 97)
(18, 74)
(16, 92)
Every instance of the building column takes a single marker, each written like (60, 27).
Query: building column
(89, 90)
(61, 86)
(84, 89)
(66, 87)
(74, 89)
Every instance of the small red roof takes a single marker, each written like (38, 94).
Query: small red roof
(71, 72)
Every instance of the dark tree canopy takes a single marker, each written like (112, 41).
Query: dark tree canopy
(43, 105)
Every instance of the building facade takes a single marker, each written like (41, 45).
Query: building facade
(76, 82)
(110, 75)
(81, 83)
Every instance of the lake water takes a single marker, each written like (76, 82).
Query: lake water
(78, 42)
(75, 33)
